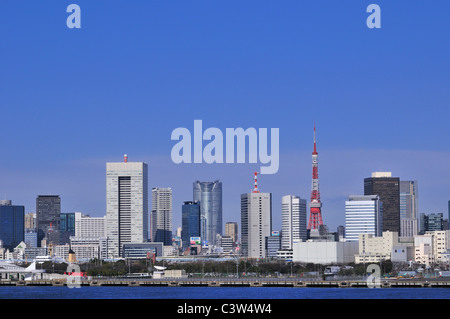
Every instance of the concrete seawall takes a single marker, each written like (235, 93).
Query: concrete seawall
(260, 282)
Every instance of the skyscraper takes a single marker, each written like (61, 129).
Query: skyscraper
(363, 215)
(67, 227)
(209, 195)
(126, 204)
(256, 222)
(48, 211)
(293, 220)
(388, 189)
(12, 221)
(409, 197)
(190, 222)
(161, 218)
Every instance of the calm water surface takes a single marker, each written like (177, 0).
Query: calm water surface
(49, 292)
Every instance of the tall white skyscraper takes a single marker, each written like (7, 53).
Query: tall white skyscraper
(256, 222)
(161, 218)
(363, 215)
(293, 220)
(126, 204)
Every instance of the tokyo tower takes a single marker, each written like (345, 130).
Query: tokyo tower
(315, 214)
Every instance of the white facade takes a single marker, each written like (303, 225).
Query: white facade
(293, 219)
(161, 216)
(97, 241)
(324, 252)
(441, 243)
(376, 248)
(363, 215)
(86, 226)
(256, 223)
(434, 244)
(126, 205)
(81, 251)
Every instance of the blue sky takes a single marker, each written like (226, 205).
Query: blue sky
(73, 99)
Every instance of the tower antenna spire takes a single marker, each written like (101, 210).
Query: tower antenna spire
(315, 215)
(315, 149)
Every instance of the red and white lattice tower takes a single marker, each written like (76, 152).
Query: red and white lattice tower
(315, 206)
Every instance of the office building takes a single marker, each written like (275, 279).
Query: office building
(432, 247)
(12, 221)
(409, 217)
(374, 249)
(30, 221)
(82, 252)
(143, 250)
(30, 237)
(435, 222)
(274, 244)
(256, 223)
(232, 231)
(388, 189)
(48, 211)
(89, 227)
(409, 199)
(66, 227)
(227, 244)
(441, 244)
(209, 195)
(431, 222)
(363, 215)
(293, 220)
(161, 216)
(126, 204)
(190, 222)
(409, 227)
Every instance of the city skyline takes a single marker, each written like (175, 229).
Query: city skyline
(77, 99)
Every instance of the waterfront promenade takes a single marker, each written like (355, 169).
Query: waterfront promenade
(236, 282)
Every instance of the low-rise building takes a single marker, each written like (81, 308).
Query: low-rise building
(375, 249)
(324, 252)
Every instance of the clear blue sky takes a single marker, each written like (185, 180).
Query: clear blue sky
(73, 99)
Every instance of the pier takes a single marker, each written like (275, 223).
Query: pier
(236, 282)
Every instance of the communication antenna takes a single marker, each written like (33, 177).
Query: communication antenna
(255, 188)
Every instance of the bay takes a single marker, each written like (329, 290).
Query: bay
(234, 293)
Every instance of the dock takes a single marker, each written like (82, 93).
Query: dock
(235, 282)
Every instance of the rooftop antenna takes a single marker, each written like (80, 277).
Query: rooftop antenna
(255, 189)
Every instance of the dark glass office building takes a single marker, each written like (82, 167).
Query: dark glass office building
(388, 189)
(48, 211)
(209, 195)
(66, 227)
(190, 222)
(12, 224)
